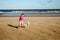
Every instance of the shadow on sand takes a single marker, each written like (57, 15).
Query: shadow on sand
(12, 26)
(15, 26)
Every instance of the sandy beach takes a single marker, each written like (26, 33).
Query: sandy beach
(41, 28)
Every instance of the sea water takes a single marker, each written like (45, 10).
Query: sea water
(32, 14)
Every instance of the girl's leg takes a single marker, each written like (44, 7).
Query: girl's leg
(21, 23)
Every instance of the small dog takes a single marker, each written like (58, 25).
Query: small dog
(27, 24)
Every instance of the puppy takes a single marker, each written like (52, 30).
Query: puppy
(27, 24)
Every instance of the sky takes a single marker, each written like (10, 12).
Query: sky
(29, 4)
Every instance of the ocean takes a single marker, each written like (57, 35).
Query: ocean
(18, 12)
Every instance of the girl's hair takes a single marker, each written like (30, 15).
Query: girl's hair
(22, 14)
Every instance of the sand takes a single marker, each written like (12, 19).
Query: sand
(41, 28)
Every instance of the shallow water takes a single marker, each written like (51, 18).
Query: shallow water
(31, 14)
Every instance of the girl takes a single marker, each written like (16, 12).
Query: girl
(21, 18)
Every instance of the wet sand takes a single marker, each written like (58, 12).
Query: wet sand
(41, 28)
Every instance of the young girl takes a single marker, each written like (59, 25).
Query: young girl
(21, 18)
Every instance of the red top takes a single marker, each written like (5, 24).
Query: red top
(21, 18)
